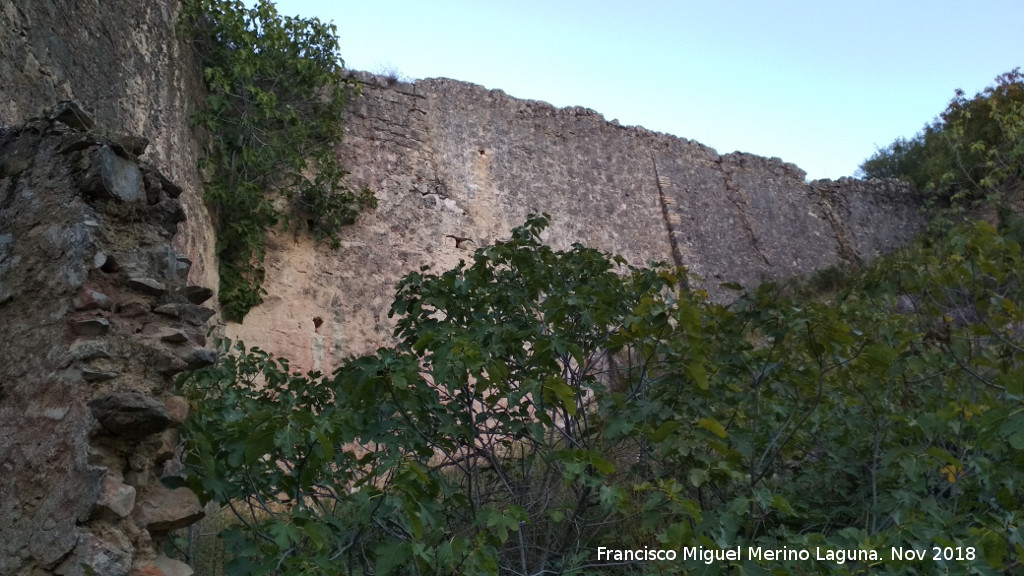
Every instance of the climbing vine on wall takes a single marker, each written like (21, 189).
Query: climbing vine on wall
(273, 112)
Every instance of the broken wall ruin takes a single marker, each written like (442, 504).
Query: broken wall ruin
(456, 166)
(97, 316)
(87, 418)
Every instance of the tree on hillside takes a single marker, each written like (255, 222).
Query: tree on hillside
(973, 152)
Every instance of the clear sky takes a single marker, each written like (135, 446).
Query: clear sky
(820, 83)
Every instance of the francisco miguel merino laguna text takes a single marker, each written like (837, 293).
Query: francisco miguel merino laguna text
(709, 556)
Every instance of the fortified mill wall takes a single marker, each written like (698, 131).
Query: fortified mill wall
(108, 274)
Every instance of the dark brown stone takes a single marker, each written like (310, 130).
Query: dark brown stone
(90, 375)
(159, 509)
(130, 414)
(200, 358)
(92, 300)
(91, 327)
(191, 313)
(177, 408)
(147, 285)
(198, 294)
(71, 114)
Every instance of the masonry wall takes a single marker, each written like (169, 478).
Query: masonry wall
(456, 167)
(96, 317)
(100, 292)
(122, 62)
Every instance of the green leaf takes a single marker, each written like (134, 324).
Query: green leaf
(390, 556)
(697, 372)
(781, 504)
(563, 392)
(712, 425)
(1013, 429)
(603, 466)
(663, 431)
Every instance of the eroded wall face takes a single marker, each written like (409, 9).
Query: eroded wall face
(456, 167)
(122, 62)
(96, 317)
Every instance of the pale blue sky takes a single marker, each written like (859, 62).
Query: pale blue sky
(819, 83)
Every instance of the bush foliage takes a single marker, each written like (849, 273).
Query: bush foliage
(541, 404)
(974, 151)
(273, 114)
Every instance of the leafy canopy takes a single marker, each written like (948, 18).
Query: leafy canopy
(540, 404)
(273, 114)
(973, 152)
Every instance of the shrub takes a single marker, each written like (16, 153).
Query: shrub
(973, 153)
(541, 404)
(273, 114)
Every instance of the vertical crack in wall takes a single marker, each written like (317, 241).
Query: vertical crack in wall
(735, 195)
(844, 246)
(673, 222)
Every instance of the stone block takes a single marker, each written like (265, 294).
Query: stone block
(147, 286)
(91, 327)
(191, 313)
(117, 500)
(72, 114)
(177, 408)
(159, 509)
(164, 332)
(130, 414)
(171, 567)
(197, 294)
(197, 358)
(92, 300)
(168, 445)
(112, 177)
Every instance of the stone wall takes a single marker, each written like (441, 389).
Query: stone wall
(96, 316)
(101, 302)
(456, 167)
(121, 61)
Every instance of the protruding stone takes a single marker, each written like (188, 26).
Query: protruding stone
(159, 509)
(198, 294)
(164, 332)
(78, 142)
(174, 471)
(168, 364)
(131, 145)
(147, 285)
(107, 552)
(112, 177)
(155, 178)
(168, 445)
(105, 263)
(91, 327)
(90, 375)
(200, 358)
(117, 500)
(171, 567)
(132, 309)
(85, 350)
(69, 113)
(92, 300)
(181, 267)
(191, 313)
(177, 408)
(130, 414)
